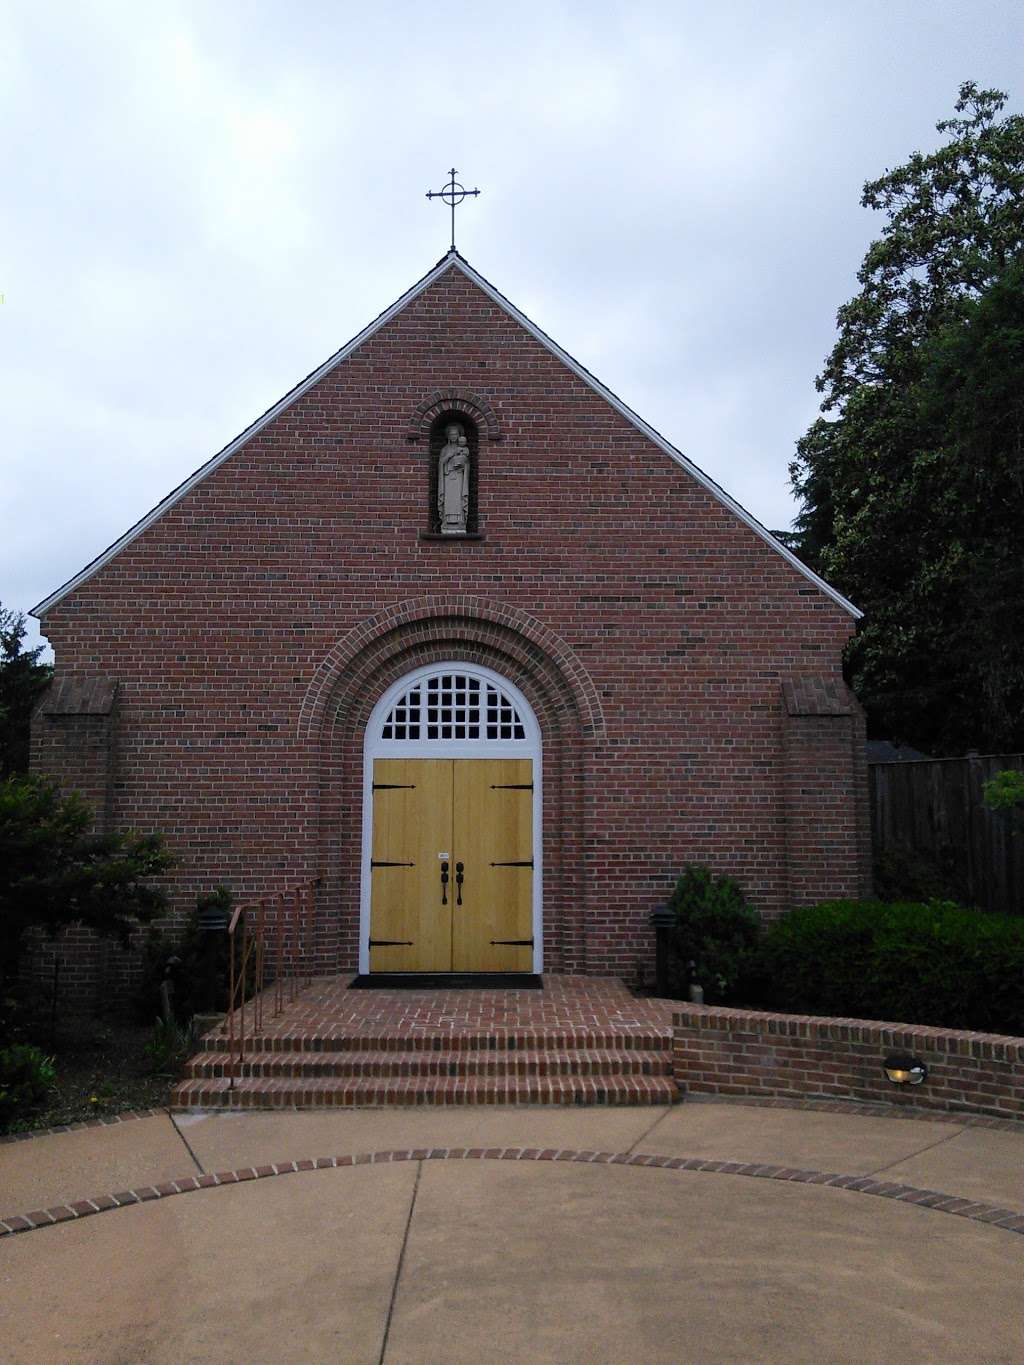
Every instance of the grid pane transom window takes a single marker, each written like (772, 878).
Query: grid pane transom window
(453, 706)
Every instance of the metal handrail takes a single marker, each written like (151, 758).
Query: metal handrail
(275, 949)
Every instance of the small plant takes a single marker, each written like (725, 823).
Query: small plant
(168, 1047)
(26, 1074)
(715, 937)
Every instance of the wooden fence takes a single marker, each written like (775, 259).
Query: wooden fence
(934, 808)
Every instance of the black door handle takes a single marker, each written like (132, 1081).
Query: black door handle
(444, 883)
(458, 883)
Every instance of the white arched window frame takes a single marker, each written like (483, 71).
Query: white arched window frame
(452, 710)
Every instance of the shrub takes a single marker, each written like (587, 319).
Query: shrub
(26, 1074)
(716, 930)
(169, 1046)
(56, 870)
(932, 963)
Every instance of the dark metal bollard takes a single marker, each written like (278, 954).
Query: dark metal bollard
(213, 922)
(663, 920)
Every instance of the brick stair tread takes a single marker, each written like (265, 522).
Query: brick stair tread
(351, 1092)
(615, 1038)
(482, 1063)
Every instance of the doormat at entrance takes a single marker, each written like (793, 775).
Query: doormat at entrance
(447, 981)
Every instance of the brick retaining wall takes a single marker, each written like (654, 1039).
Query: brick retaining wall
(746, 1052)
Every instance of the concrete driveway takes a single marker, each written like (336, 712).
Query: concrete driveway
(518, 1260)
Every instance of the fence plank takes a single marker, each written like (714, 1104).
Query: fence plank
(934, 807)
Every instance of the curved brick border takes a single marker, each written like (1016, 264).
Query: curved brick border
(1010, 1219)
(102, 1121)
(865, 1109)
(447, 608)
(453, 400)
(852, 1108)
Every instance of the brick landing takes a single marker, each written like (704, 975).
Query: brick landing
(579, 1040)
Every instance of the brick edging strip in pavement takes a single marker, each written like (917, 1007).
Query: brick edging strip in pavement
(101, 1121)
(864, 1109)
(855, 1108)
(1010, 1220)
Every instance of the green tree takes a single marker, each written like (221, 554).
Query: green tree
(934, 546)
(1005, 791)
(22, 681)
(910, 484)
(55, 870)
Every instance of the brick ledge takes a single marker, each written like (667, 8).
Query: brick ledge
(753, 1054)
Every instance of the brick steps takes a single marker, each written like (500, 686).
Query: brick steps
(426, 1064)
(331, 1065)
(622, 1038)
(353, 1092)
(579, 1041)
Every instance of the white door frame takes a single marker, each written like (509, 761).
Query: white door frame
(374, 747)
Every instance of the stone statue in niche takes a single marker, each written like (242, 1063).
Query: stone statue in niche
(453, 482)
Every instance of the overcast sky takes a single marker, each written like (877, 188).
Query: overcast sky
(202, 201)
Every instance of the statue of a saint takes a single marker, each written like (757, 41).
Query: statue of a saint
(453, 482)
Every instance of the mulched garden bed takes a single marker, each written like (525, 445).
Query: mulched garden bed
(102, 1068)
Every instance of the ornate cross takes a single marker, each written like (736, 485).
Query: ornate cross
(452, 194)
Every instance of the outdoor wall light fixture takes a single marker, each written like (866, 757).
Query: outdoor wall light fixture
(904, 1069)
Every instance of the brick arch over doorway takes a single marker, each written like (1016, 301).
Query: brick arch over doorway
(381, 652)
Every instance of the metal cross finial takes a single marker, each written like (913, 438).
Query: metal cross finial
(452, 194)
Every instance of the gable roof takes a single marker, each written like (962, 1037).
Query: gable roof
(452, 261)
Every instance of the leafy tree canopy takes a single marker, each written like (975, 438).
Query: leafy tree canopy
(22, 680)
(911, 485)
(1005, 791)
(55, 870)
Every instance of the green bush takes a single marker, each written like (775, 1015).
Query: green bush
(716, 930)
(26, 1074)
(932, 963)
(56, 870)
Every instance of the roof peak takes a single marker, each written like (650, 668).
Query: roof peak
(452, 257)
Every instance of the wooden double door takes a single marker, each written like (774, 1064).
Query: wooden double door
(451, 867)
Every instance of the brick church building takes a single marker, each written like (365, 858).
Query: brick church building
(452, 629)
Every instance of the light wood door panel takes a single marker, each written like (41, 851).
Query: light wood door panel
(492, 837)
(410, 928)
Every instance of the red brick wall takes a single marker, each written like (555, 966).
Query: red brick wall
(80, 751)
(252, 627)
(745, 1052)
(79, 747)
(826, 799)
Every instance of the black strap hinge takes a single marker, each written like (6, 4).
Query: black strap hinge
(528, 863)
(375, 863)
(394, 786)
(512, 942)
(390, 942)
(511, 786)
